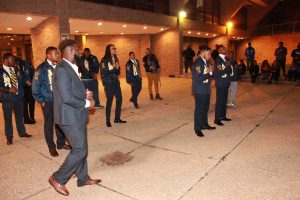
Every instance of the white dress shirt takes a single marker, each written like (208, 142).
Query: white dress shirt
(223, 57)
(75, 68)
(50, 63)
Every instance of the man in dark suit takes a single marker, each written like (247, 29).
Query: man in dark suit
(134, 78)
(71, 103)
(89, 69)
(201, 73)
(222, 75)
(12, 82)
(42, 87)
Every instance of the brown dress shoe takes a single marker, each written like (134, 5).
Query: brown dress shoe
(61, 189)
(53, 152)
(91, 182)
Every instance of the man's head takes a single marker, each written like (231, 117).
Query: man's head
(222, 50)
(280, 44)
(132, 55)
(148, 51)
(52, 54)
(204, 52)
(249, 44)
(216, 46)
(189, 46)
(298, 46)
(9, 60)
(68, 49)
(87, 52)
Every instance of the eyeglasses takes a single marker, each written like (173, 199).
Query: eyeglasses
(114, 48)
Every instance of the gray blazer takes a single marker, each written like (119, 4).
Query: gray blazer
(69, 96)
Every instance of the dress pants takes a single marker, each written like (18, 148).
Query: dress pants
(221, 101)
(29, 104)
(232, 92)
(16, 106)
(76, 161)
(282, 66)
(113, 90)
(48, 127)
(153, 78)
(202, 102)
(135, 90)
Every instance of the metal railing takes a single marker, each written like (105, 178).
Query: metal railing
(291, 27)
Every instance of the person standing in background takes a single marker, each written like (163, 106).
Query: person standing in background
(152, 68)
(110, 71)
(134, 78)
(250, 55)
(42, 89)
(188, 55)
(90, 71)
(280, 54)
(29, 103)
(254, 71)
(234, 79)
(12, 81)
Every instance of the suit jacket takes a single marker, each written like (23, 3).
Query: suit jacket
(222, 72)
(201, 78)
(133, 73)
(5, 85)
(69, 96)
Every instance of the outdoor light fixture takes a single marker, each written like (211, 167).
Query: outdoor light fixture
(182, 13)
(229, 24)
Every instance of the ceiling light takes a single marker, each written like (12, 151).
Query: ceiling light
(100, 32)
(8, 43)
(99, 23)
(76, 31)
(206, 34)
(162, 29)
(28, 18)
(198, 33)
(182, 13)
(189, 32)
(124, 26)
(242, 38)
(8, 36)
(11, 39)
(145, 27)
(122, 33)
(86, 34)
(9, 29)
(214, 35)
(233, 37)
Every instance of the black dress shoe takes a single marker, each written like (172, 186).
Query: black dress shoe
(218, 122)
(208, 127)
(98, 106)
(29, 121)
(120, 121)
(151, 97)
(226, 119)
(136, 105)
(158, 97)
(199, 133)
(108, 124)
(9, 142)
(26, 135)
(53, 152)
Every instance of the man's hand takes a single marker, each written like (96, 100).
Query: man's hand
(92, 103)
(89, 94)
(94, 75)
(13, 90)
(43, 104)
(29, 83)
(151, 67)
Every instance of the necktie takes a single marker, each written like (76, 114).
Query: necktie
(13, 77)
(53, 64)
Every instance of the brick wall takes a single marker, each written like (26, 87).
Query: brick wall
(123, 43)
(265, 46)
(45, 34)
(166, 46)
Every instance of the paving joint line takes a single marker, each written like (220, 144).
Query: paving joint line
(236, 146)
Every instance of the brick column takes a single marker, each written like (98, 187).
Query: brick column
(48, 33)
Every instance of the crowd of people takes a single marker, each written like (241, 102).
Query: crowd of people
(267, 72)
